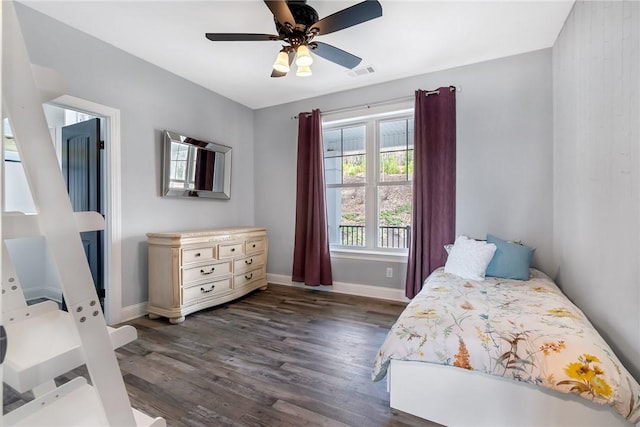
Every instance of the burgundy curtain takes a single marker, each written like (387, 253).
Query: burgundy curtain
(311, 258)
(205, 163)
(434, 184)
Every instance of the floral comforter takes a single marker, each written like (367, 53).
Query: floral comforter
(523, 330)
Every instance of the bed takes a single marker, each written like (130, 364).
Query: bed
(498, 351)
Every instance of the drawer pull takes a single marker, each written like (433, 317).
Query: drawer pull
(249, 276)
(204, 273)
(205, 291)
(197, 255)
(233, 249)
(254, 245)
(248, 262)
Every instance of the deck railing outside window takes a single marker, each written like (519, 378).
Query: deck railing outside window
(390, 236)
(394, 237)
(352, 235)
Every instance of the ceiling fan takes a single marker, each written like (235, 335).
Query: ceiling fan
(297, 25)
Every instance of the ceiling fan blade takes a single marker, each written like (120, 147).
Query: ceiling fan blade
(334, 54)
(281, 11)
(354, 15)
(232, 37)
(274, 73)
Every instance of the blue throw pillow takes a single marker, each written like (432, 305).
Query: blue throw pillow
(511, 260)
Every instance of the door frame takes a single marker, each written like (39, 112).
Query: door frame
(112, 195)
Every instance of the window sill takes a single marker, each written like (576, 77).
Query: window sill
(368, 255)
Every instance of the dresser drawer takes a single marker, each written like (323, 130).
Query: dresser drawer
(255, 245)
(248, 263)
(204, 272)
(194, 294)
(198, 255)
(230, 250)
(249, 276)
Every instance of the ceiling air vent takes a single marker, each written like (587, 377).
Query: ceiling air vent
(357, 72)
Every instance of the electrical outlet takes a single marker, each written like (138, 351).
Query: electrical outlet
(389, 272)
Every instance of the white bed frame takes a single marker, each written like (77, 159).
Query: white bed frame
(456, 397)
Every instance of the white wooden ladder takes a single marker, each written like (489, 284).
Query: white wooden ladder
(43, 341)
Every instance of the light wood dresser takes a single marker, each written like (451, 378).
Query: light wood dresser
(190, 271)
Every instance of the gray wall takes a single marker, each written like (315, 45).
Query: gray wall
(596, 69)
(150, 100)
(504, 159)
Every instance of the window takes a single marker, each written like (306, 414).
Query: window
(10, 148)
(368, 173)
(181, 167)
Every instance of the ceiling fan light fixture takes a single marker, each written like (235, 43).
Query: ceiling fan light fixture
(298, 24)
(282, 62)
(303, 71)
(303, 57)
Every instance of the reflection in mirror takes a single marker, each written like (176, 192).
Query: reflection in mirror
(195, 168)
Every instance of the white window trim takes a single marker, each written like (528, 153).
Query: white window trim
(370, 255)
(366, 113)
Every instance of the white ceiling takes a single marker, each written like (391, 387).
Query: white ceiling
(411, 38)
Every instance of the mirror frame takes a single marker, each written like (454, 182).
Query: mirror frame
(194, 145)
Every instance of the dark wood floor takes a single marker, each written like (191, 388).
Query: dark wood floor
(280, 357)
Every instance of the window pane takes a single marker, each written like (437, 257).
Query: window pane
(393, 135)
(396, 163)
(410, 133)
(355, 169)
(394, 204)
(178, 171)
(346, 214)
(332, 141)
(333, 170)
(179, 151)
(344, 155)
(396, 166)
(10, 148)
(353, 140)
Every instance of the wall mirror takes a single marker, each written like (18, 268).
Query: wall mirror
(195, 168)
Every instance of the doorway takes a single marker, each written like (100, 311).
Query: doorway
(110, 206)
(109, 200)
(79, 143)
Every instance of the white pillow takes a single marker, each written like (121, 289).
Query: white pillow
(469, 258)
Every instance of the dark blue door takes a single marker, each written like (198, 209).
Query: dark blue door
(81, 148)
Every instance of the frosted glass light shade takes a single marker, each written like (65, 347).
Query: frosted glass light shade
(303, 71)
(282, 62)
(303, 58)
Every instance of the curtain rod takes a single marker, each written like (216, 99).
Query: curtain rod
(376, 104)
(437, 91)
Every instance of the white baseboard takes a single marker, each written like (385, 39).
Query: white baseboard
(134, 311)
(53, 294)
(33, 293)
(47, 293)
(128, 313)
(380, 292)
